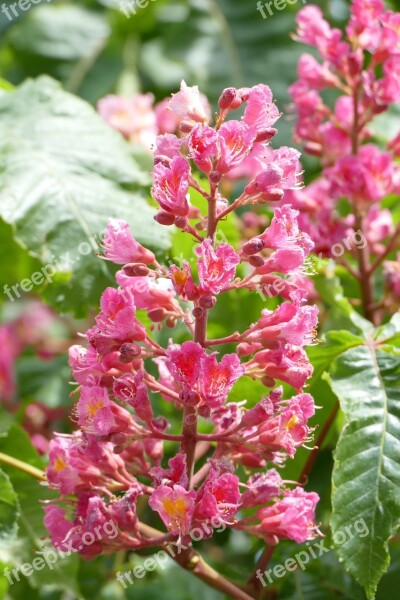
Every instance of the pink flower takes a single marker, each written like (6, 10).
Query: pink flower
(155, 296)
(183, 283)
(133, 117)
(235, 139)
(167, 120)
(175, 506)
(185, 361)
(85, 364)
(98, 414)
(176, 474)
(220, 498)
(132, 390)
(57, 525)
(289, 364)
(316, 75)
(167, 145)
(121, 247)
(217, 379)
(261, 111)
(280, 173)
(202, 146)
(216, 267)
(116, 322)
(289, 322)
(190, 104)
(291, 518)
(367, 177)
(170, 186)
(262, 488)
(284, 231)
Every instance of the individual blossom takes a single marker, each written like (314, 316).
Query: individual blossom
(175, 505)
(291, 518)
(189, 103)
(121, 247)
(216, 267)
(133, 117)
(170, 186)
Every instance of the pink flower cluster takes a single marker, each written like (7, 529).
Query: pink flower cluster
(363, 66)
(118, 454)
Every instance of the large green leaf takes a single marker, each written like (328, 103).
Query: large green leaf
(366, 476)
(8, 509)
(60, 32)
(63, 174)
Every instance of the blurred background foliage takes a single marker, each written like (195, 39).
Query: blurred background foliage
(92, 48)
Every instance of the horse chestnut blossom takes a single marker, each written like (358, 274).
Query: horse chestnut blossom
(119, 454)
(353, 166)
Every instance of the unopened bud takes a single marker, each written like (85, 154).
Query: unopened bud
(189, 397)
(128, 352)
(267, 381)
(253, 246)
(187, 125)
(226, 98)
(170, 322)
(136, 270)
(215, 177)
(156, 315)
(207, 301)
(272, 195)
(256, 261)
(198, 312)
(266, 135)
(164, 218)
(204, 411)
(180, 222)
(162, 159)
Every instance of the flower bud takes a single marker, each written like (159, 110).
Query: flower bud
(266, 135)
(198, 312)
(253, 246)
(136, 270)
(204, 411)
(207, 301)
(189, 397)
(215, 177)
(226, 98)
(170, 322)
(187, 125)
(164, 218)
(128, 352)
(180, 222)
(256, 261)
(156, 314)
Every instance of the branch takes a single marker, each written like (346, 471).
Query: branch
(192, 561)
(22, 466)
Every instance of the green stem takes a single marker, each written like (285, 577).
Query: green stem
(22, 466)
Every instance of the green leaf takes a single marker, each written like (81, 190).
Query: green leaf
(63, 174)
(366, 475)
(9, 510)
(60, 32)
